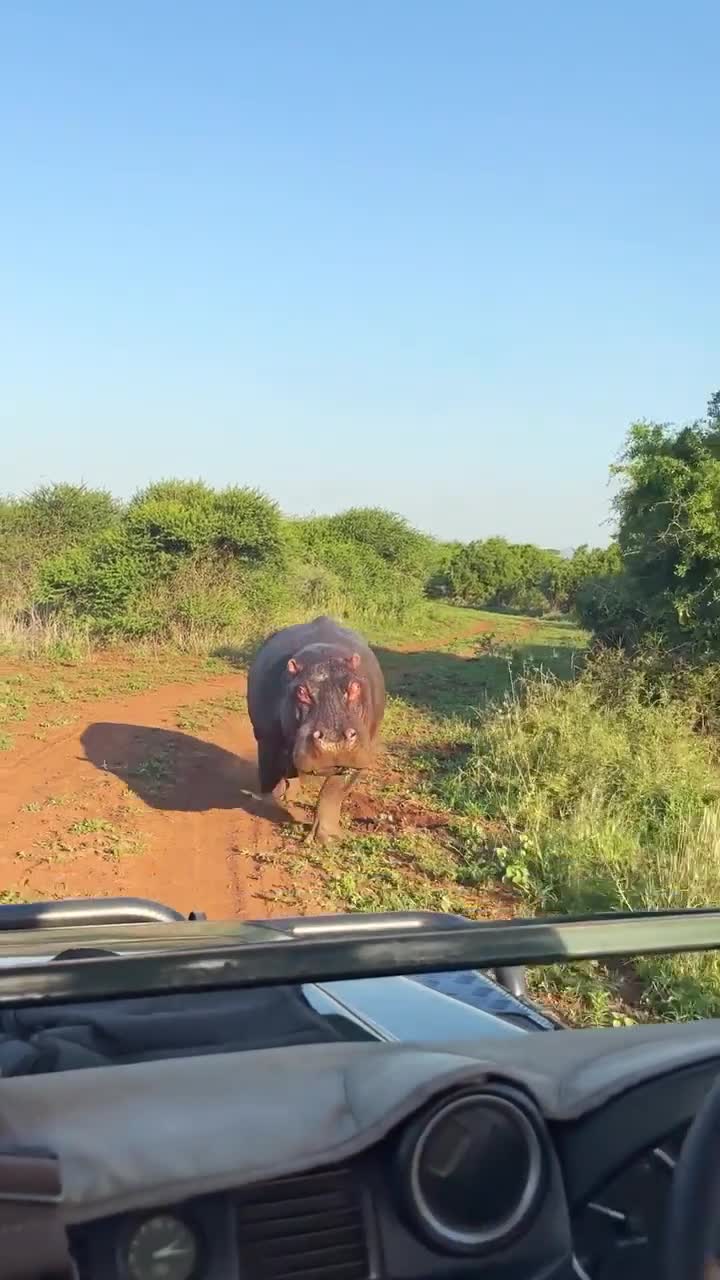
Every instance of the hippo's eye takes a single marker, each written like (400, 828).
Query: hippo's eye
(303, 695)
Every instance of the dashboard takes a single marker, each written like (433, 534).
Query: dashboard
(540, 1158)
(411, 1206)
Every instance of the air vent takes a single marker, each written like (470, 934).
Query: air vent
(305, 1228)
(472, 1170)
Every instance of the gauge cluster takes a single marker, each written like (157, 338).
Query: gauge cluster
(162, 1247)
(192, 1241)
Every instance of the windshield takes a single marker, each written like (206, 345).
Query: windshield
(323, 338)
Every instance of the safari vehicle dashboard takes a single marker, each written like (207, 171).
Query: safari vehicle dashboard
(474, 1185)
(527, 1156)
(546, 1155)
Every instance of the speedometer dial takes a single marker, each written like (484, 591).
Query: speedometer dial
(162, 1248)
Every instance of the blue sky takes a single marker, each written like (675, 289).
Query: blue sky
(428, 255)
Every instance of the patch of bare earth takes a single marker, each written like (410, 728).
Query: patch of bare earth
(150, 794)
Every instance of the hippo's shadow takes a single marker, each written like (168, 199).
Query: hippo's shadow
(172, 770)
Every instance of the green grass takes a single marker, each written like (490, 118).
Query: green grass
(437, 693)
(197, 717)
(48, 691)
(586, 803)
(156, 771)
(572, 792)
(89, 826)
(109, 840)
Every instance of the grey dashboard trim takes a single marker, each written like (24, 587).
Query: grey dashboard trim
(132, 1137)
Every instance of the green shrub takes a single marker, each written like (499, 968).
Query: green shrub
(609, 800)
(99, 582)
(172, 527)
(247, 525)
(609, 608)
(668, 510)
(209, 600)
(182, 519)
(50, 519)
(182, 559)
(66, 514)
(527, 599)
(186, 492)
(347, 577)
(389, 536)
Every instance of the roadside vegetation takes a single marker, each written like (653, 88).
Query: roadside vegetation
(190, 567)
(553, 720)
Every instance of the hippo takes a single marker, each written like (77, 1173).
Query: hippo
(316, 698)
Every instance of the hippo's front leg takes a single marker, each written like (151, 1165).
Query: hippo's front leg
(272, 768)
(326, 826)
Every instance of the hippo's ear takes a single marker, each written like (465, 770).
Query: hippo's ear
(354, 662)
(293, 666)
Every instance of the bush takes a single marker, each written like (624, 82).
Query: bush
(482, 573)
(209, 601)
(183, 519)
(184, 560)
(495, 573)
(347, 577)
(171, 527)
(68, 514)
(247, 525)
(609, 608)
(51, 518)
(610, 800)
(527, 599)
(389, 536)
(186, 492)
(98, 583)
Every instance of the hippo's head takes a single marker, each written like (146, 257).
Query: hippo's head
(326, 713)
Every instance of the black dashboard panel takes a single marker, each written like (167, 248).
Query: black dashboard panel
(597, 1188)
(593, 1149)
(618, 1164)
(356, 1221)
(619, 1233)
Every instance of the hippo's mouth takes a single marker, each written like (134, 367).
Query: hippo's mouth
(329, 763)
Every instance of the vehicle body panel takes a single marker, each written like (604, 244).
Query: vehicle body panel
(440, 1006)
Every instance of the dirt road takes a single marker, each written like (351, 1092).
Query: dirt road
(125, 802)
(145, 793)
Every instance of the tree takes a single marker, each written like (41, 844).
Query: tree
(669, 528)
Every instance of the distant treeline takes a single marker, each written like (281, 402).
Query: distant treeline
(182, 557)
(494, 573)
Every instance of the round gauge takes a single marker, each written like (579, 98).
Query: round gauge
(162, 1248)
